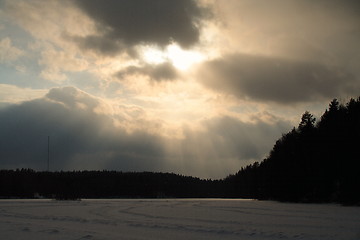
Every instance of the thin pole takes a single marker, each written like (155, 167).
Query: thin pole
(48, 160)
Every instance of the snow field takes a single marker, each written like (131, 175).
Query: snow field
(176, 219)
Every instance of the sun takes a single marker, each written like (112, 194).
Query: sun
(181, 59)
(153, 55)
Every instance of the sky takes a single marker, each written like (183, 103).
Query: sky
(198, 88)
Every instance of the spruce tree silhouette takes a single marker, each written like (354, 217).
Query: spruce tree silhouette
(315, 162)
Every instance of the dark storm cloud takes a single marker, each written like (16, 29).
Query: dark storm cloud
(126, 23)
(81, 138)
(276, 79)
(159, 72)
(348, 5)
(100, 44)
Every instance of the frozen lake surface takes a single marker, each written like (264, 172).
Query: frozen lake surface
(176, 219)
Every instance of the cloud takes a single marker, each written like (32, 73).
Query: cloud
(47, 20)
(13, 94)
(280, 80)
(82, 137)
(124, 24)
(157, 72)
(57, 62)
(224, 145)
(326, 32)
(9, 53)
(73, 98)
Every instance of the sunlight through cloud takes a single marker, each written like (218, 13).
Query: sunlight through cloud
(182, 59)
(179, 58)
(153, 55)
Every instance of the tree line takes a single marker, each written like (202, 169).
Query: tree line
(318, 161)
(27, 183)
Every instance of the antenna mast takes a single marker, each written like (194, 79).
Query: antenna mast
(48, 159)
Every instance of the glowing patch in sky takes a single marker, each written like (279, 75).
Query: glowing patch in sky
(180, 59)
(154, 56)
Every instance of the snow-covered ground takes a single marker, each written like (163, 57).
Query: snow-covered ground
(176, 219)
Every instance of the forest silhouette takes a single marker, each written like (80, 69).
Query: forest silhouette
(315, 162)
(318, 161)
